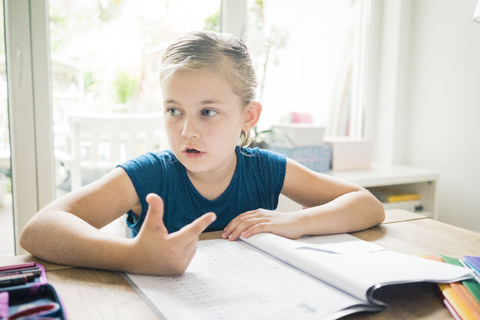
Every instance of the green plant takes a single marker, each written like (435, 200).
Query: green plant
(124, 87)
(212, 23)
(263, 139)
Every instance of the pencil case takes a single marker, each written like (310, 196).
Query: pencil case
(35, 298)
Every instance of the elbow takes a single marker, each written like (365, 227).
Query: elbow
(373, 211)
(30, 237)
(380, 214)
(25, 238)
(378, 211)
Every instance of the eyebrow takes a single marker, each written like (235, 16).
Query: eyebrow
(205, 102)
(210, 101)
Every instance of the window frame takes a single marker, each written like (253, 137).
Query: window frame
(29, 108)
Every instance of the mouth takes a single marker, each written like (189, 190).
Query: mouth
(192, 153)
(188, 150)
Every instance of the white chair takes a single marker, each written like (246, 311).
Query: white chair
(100, 142)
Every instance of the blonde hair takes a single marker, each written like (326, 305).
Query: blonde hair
(200, 50)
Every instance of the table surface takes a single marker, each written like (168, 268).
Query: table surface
(99, 294)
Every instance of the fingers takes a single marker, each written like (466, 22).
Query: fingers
(241, 224)
(154, 217)
(186, 239)
(182, 258)
(236, 222)
(194, 229)
(261, 227)
(258, 221)
(249, 228)
(161, 252)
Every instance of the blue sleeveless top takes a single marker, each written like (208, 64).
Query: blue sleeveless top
(256, 183)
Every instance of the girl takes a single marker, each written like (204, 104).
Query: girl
(208, 85)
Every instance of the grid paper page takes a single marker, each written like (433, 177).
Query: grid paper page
(232, 280)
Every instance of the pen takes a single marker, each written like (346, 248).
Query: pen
(19, 266)
(16, 280)
(37, 272)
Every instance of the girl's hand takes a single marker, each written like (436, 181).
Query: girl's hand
(159, 253)
(285, 224)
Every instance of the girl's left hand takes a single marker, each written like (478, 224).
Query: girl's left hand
(285, 224)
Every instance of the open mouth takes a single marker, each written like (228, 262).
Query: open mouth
(192, 151)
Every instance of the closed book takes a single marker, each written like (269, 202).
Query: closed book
(388, 195)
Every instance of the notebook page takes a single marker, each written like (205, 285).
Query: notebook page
(280, 247)
(357, 273)
(354, 265)
(236, 281)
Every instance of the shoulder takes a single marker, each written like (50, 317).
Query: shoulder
(257, 154)
(162, 158)
(262, 162)
(150, 168)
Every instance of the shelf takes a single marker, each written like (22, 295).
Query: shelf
(409, 179)
(382, 174)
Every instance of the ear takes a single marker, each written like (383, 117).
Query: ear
(252, 115)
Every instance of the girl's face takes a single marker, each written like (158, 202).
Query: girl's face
(203, 120)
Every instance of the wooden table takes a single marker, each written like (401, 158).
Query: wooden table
(97, 294)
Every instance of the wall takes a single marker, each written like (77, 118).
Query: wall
(437, 103)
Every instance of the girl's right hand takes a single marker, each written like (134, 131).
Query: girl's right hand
(159, 253)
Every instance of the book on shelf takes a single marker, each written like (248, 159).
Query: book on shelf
(391, 194)
(271, 277)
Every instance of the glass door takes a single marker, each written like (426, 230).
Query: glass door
(104, 69)
(7, 244)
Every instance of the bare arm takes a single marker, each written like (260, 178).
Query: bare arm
(66, 231)
(333, 206)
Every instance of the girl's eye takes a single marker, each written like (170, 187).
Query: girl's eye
(173, 111)
(208, 112)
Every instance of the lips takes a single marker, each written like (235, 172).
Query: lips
(192, 152)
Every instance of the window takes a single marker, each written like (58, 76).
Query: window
(104, 59)
(100, 50)
(308, 56)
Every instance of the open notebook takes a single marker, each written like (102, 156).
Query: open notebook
(270, 277)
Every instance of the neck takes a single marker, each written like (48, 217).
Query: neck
(212, 184)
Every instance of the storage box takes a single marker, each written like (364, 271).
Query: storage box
(28, 299)
(298, 135)
(316, 158)
(349, 153)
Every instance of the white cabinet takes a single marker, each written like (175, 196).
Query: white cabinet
(405, 178)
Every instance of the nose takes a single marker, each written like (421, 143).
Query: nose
(190, 128)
